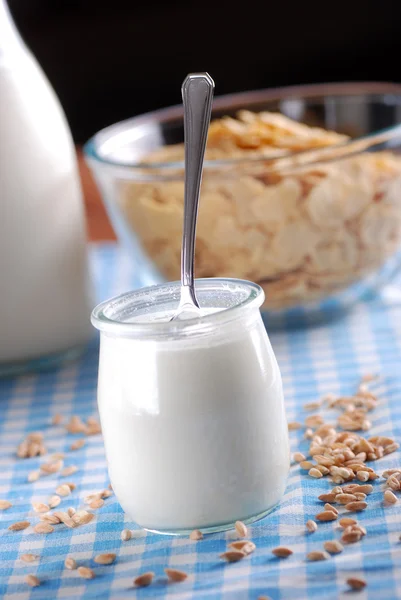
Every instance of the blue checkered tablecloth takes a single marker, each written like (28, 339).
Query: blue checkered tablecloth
(314, 361)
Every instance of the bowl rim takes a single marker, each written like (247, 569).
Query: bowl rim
(174, 113)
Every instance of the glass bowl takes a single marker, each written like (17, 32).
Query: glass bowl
(317, 229)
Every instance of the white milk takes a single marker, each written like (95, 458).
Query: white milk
(194, 430)
(44, 293)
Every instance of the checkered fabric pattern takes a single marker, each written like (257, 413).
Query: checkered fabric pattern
(314, 361)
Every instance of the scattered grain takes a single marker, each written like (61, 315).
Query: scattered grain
(389, 497)
(331, 497)
(342, 472)
(67, 471)
(33, 476)
(356, 583)
(315, 473)
(312, 405)
(175, 575)
(81, 517)
(368, 377)
(359, 529)
(196, 534)
(347, 521)
(391, 448)
(144, 580)
(54, 501)
(388, 472)
(350, 537)
(299, 457)
(93, 427)
(345, 498)
(126, 535)
(50, 518)
(68, 522)
(86, 572)
(233, 555)
(98, 503)
(22, 449)
(31, 446)
(40, 507)
(333, 547)
(313, 421)
(63, 490)
(5, 504)
(327, 461)
(360, 496)
(78, 444)
(306, 465)
(244, 545)
(365, 489)
(51, 467)
(70, 563)
(362, 475)
(393, 482)
(28, 558)
(43, 527)
(105, 559)
(311, 526)
(19, 526)
(91, 497)
(282, 552)
(63, 516)
(317, 555)
(328, 506)
(294, 426)
(356, 506)
(35, 436)
(32, 580)
(57, 419)
(241, 529)
(327, 515)
(76, 425)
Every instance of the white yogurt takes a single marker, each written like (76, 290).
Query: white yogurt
(194, 429)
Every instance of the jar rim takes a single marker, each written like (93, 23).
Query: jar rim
(108, 315)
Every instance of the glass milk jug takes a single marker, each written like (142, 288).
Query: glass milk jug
(45, 294)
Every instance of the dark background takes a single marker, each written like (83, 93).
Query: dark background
(112, 59)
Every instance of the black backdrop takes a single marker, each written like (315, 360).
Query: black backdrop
(111, 59)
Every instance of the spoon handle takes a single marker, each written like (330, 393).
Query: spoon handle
(197, 96)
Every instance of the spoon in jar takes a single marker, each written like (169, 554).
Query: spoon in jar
(197, 96)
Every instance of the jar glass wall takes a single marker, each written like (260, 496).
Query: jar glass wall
(192, 411)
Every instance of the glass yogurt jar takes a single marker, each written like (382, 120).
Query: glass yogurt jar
(192, 411)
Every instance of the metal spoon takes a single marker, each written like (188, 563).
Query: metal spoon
(197, 96)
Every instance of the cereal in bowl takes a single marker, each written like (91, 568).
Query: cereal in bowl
(303, 229)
